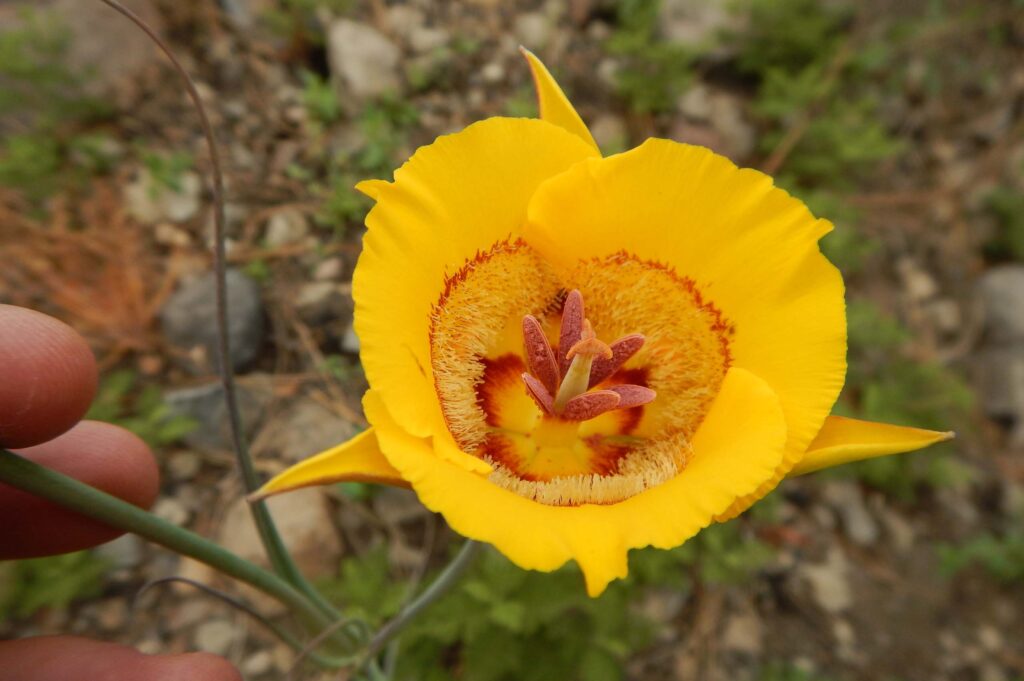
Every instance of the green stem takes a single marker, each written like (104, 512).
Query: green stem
(279, 557)
(440, 586)
(77, 496)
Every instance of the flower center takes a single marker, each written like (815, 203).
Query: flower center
(526, 382)
(583, 361)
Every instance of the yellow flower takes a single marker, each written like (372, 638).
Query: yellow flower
(570, 356)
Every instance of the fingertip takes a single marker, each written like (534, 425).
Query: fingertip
(99, 454)
(49, 377)
(195, 667)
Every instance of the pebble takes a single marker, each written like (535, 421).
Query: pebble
(123, 553)
(1001, 292)
(302, 429)
(258, 663)
(362, 60)
(330, 269)
(150, 202)
(533, 30)
(183, 466)
(493, 72)
(171, 510)
(285, 227)
(848, 502)
(744, 634)
(324, 302)
(829, 582)
(189, 321)
(610, 133)
(918, 283)
(350, 341)
(205, 404)
(216, 636)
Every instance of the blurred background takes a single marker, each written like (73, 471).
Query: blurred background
(903, 122)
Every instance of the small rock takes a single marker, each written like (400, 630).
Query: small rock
(426, 39)
(364, 62)
(919, 284)
(729, 120)
(183, 466)
(990, 638)
(330, 269)
(205, 404)
(945, 314)
(112, 72)
(167, 234)
(829, 582)
(493, 72)
(303, 518)
(171, 510)
(286, 226)
(1001, 292)
(533, 30)
(189, 320)
(150, 201)
(695, 103)
(898, 529)
(1000, 375)
(303, 429)
(847, 501)
(661, 606)
(846, 638)
(216, 636)
(259, 663)
(696, 23)
(324, 302)
(744, 634)
(112, 614)
(123, 553)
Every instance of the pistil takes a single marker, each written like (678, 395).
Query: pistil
(560, 382)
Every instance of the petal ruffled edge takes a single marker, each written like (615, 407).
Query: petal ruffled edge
(739, 445)
(844, 440)
(554, 106)
(357, 460)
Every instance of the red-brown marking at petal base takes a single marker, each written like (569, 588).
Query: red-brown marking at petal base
(501, 451)
(509, 245)
(607, 456)
(500, 374)
(723, 327)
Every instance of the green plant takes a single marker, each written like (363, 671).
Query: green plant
(320, 98)
(28, 586)
(166, 171)
(784, 671)
(142, 411)
(652, 71)
(1006, 205)
(1001, 556)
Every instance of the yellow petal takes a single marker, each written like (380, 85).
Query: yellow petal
(843, 440)
(738, 446)
(750, 248)
(358, 460)
(554, 106)
(452, 199)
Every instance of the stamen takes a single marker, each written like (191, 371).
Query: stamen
(589, 405)
(622, 350)
(539, 356)
(539, 393)
(633, 395)
(559, 384)
(572, 328)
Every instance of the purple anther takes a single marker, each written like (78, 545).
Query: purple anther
(539, 356)
(632, 395)
(539, 393)
(622, 350)
(588, 405)
(572, 328)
